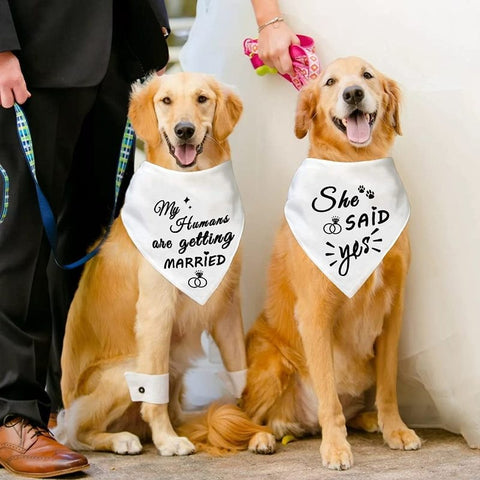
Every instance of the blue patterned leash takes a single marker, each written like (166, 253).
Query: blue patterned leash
(6, 189)
(46, 213)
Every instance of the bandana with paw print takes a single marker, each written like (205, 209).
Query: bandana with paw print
(346, 216)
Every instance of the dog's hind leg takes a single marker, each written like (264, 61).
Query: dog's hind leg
(272, 370)
(366, 421)
(359, 411)
(84, 425)
(270, 389)
(264, 388)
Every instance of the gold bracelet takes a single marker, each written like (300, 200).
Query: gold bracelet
(270, 22)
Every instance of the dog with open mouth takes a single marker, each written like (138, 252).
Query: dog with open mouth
(357, 111)
(186, 150)
(330, 328)
(169, 270)
(329, 331)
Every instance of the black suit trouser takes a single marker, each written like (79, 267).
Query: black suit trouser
(76, 136)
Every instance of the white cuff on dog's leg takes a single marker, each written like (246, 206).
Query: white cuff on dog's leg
(234, 381)
(148, 388)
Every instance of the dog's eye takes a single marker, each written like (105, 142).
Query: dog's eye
(367, 75)
(202, 99)
(330, 82)
(167, 100)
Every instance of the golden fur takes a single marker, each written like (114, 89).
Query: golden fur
(126, 317)
(314, 353)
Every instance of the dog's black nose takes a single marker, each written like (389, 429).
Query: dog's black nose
(353, 95)
(184, 130)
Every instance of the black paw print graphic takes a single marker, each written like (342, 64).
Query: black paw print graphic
(370, 194)
(361, 188)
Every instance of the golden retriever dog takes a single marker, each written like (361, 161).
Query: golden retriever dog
(314, 352)
(125, 315)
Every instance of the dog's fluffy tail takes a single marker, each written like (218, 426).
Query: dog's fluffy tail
(65, 431)
(221, 430)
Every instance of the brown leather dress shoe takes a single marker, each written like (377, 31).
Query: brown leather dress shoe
(32, 451)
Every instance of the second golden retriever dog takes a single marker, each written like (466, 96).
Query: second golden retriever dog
(315, 350)
(126, 316)
(331, 323)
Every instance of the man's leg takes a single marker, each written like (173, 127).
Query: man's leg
(88, 202)
(55, 118)
(25, 323)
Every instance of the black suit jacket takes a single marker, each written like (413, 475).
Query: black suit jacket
(68, 43)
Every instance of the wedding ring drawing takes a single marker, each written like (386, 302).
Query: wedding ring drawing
(198, 281)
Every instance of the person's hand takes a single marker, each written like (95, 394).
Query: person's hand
(273, 44)
(12, 84)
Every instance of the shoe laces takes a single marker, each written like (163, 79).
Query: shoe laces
(30, 428)
(38, 431)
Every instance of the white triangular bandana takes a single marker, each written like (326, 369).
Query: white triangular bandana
(346, 216)
(188, 225)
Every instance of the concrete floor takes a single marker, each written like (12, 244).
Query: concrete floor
(444, 456)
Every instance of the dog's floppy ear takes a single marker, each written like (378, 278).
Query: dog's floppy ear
(142, 112)
(392, 107)
(306, 108)
(228, 110)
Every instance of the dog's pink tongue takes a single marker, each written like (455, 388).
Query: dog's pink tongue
(186, 154)
(358, 129)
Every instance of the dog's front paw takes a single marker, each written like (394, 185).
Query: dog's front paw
(175, 446)
(263, 443)
(126, 443)
(402, 439)
(336, 455)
